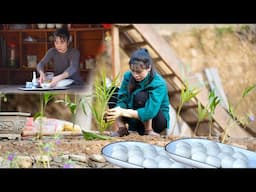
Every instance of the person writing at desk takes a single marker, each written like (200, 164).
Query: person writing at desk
(65, 60)
(142, 101)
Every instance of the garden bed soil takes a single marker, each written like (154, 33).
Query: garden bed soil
(78, 145)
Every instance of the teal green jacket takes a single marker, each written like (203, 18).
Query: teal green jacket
(158, 97)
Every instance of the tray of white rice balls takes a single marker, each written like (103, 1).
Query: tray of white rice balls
(204, 153)
(135, 154)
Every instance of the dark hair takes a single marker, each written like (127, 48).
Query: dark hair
(62, 33)
(141, 58)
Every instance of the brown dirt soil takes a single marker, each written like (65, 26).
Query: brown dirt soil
(70, 145)
(73, 144)
(77, 145)
(232, 51)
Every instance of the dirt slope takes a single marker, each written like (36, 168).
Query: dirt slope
(231, 49)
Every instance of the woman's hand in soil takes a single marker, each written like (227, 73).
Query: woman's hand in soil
(116, 112)
(113, 113)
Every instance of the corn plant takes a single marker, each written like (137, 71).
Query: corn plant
(92, 136)
(213, 102)
(187, 93)
(208, 111)
(232, 111)
(44, 100)
(101, 96)
(45, 150)
(73, 106)
(202, 114)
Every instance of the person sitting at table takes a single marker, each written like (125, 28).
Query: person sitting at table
(65, 60)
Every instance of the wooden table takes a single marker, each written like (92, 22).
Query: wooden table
(14, 89)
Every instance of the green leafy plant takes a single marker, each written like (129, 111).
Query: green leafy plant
(213, 102)
(44, 100)
(101, 97)
(74, 105)
(187, 93)
(235, 119)
(92, 136)
(46, 150)
(202, 114)
(207, 111)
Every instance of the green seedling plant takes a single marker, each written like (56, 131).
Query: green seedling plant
(207, 111)
(44, 100)
(232, 111)
(46, 150)
(213, 102)
(94, 136)
(73, 106)
(202, 114)
(187, 93)
(102, 95)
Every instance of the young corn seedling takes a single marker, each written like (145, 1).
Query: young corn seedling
(44, 100)
(202, 114)
(213, 102)
(232, 111)
(74, 105)
(187, 93)
(102, 95)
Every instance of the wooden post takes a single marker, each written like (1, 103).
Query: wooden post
(115, 52)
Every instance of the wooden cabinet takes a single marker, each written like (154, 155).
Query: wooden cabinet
(35, 43)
